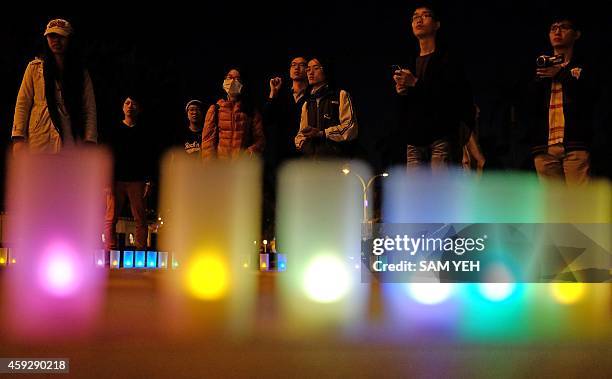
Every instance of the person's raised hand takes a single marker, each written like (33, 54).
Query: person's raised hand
(275, 86)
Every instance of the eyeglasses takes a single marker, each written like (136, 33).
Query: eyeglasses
(416, 17)
(300, 65)
(315, 67)
(561, 27)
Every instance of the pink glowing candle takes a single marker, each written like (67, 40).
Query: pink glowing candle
(55, 214)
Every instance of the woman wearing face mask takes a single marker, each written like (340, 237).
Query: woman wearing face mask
(56, 107)
(232, 127)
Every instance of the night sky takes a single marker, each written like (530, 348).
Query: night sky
(180, 53)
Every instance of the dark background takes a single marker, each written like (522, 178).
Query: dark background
(182, 51)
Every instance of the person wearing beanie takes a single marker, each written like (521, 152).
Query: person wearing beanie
(56, 106)
(192, 136)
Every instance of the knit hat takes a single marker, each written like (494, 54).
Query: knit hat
(194, 102)
(59, 26)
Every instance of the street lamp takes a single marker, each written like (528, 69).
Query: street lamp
(365, 186)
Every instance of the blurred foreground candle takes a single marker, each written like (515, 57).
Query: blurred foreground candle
(569, 310)
(212, 220)
(56, 203)
(319, 230)
(420, 307)
(505, 201)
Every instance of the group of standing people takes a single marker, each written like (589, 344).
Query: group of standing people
(309, 116)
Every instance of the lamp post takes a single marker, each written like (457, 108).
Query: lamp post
(365, 186)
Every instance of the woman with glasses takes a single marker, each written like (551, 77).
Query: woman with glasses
(55, 107)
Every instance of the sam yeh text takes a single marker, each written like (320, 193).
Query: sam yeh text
(427, 266)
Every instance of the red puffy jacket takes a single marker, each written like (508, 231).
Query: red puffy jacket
(229, 131)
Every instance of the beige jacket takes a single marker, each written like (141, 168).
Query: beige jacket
(32, 119)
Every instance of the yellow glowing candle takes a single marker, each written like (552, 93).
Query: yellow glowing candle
(212, 221)
(207, 276)
(568, 293)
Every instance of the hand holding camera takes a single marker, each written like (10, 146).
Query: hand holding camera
(549, 66)
(403, 78)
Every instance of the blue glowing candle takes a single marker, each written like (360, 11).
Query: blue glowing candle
(140, 259)
(151, 259)
(128, 259)
(281, 262)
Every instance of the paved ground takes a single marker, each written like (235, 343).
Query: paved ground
(132, 340)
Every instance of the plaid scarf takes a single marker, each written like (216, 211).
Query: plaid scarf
(556, 118)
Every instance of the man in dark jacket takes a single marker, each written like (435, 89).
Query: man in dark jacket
(434, 96)
(281, 115)
(282, 111)
(561, 98)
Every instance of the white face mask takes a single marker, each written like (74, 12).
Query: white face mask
(232, 87)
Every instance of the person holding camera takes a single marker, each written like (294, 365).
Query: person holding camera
(561, 97)
(434, 97)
